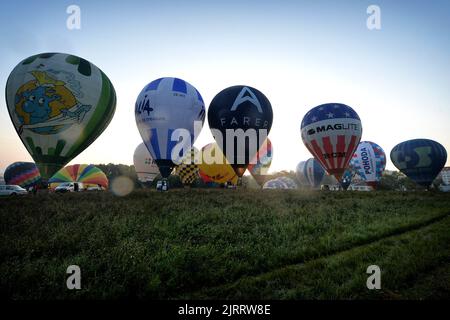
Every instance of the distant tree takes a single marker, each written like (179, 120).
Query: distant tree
(113, 171)
(395, 180)
(389, 182)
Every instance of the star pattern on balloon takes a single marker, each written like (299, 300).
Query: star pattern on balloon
(328, 111)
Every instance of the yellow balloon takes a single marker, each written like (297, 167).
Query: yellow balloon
(214, 166)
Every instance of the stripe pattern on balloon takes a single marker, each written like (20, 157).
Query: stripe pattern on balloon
(331, 132)
(24, 174)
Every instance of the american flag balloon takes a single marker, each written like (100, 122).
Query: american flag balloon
(331, 132)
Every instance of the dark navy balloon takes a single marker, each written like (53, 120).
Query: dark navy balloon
(419, 159)
(240, 107)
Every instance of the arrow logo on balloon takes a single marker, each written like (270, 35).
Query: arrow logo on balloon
(246, 95)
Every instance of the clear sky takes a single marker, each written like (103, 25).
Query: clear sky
(298, 53)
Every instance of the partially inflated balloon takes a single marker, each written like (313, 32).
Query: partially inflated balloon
(59, 104)
(24, 174)
(290, 184)
(299, 174)
(331, 132)
(274, 184)
(89, 175)
(187, 170)
(280, 183)
(369, 162)
(419, 159)
(205, 178)
(162, 108)
(260, 165)
(346, 179)
(215, 166)
(310, 173)
(146, 168)
(240, 111)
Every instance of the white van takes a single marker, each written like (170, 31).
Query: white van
(360, 188)
(12, 190)
(69, 187)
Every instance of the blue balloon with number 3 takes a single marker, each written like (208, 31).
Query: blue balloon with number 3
(420, 159)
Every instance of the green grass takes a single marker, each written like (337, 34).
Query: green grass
(226, 244)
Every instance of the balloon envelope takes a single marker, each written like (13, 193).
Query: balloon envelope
(290, 184)
(87, 174)
(419, 159)
(215, 167)
(187, 170)
(280, 183)
(260, 164)
(331, 132)
(146, 168)
(245, 108)
(310, 172)
(59, 104)
(369, 162)
(346, 179)
(299, 173)
(162, 108)
(24, 174)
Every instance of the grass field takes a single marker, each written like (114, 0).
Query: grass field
(228, 244)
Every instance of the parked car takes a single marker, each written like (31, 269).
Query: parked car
(359, 188)
(12, 190)
(95, 188)
(69, 187)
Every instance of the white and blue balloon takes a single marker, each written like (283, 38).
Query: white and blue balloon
(170, 113)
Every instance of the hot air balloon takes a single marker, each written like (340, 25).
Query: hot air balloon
(167, 110)
(290, 184)
(299, 174)
(280, 183)
(240, 118)
(346, 179)
(369, 162)
(59, 104)
(145, 166)
(215, 167)
(419, 159)
(274, 184)
(207, 180)
(331, 132)
(260, 165)
(24, 174)
(187, 170)
(310, 173)
(89, 175)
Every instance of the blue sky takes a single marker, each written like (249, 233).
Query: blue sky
(299, 53)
